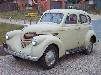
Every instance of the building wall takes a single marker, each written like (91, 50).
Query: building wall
(51, 4)
(44, 4)
(21, 5)
(91, 1)
(98, 4)
(57, 4)
(8, 6)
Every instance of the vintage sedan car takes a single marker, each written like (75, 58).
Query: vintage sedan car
(58, 32)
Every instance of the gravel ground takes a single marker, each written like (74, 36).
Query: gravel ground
(2, 52)
(76, 64)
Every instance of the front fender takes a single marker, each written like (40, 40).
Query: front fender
(13, 33)
(89, 34)
(47, 40)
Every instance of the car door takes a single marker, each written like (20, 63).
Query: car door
(84, 23)
(69, 32)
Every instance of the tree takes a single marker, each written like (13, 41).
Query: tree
(36, 6)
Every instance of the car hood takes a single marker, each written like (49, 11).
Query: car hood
(41, 28)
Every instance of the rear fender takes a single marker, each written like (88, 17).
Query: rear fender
(88, 36)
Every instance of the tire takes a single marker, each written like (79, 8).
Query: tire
(89, 48)
(50, 57)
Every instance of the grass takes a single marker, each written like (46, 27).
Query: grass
(5, 28)
(17, 15)
(13, 14)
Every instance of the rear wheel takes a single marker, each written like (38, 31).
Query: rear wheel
(89, 48)
(50, 57)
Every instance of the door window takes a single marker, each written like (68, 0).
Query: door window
(71, 19)
(83, 18)
(52, 17)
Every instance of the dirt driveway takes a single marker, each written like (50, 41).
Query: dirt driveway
(76, 64)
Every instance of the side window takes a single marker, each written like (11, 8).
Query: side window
(71, 19)
(83, 18)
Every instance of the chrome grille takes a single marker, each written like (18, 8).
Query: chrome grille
(26, 40)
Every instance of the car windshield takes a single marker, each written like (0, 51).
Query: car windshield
(52, 17)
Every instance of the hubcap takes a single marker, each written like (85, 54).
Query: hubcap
(50, 58)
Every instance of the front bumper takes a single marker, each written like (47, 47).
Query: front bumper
(19, 54)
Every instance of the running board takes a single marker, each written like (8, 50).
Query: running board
(75, 50)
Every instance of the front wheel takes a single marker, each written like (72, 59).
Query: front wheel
(89, 48)
(50, 57)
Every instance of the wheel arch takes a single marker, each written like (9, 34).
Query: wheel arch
(59, 47)
(93, 39)
(55, 46)
(90, 37)
(55, 42)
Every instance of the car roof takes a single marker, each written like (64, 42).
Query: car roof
(66, 11)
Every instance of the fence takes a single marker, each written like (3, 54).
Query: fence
(8, 6)
(80, 6)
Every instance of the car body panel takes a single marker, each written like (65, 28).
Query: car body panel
(89, 34)
(38, 50)
(65, 36)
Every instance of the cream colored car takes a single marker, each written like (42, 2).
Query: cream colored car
(58, 32)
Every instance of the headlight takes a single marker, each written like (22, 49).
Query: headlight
(7, 37)
(34, 41)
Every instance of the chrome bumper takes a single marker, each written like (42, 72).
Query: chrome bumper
(19, 54)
